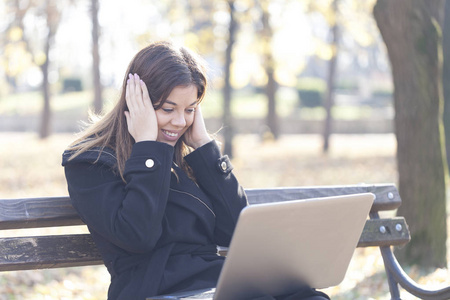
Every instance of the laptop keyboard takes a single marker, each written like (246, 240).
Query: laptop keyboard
(205, 295)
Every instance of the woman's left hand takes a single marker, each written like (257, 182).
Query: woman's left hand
(197, 135)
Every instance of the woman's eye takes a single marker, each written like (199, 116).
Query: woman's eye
(190, 110)
(167, 109)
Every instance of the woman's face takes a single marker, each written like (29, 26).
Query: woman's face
(176, 114)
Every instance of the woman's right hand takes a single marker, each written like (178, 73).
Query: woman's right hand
(141, 116)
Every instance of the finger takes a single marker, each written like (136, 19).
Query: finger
(129, 95)
(198, 111)
(135, 93)
(198, 116)
(146, 97)
(138, 91)
(129, 123)
(127, 118)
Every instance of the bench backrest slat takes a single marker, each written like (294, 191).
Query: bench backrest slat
(387, 197)
(58, 211)
(37, 212)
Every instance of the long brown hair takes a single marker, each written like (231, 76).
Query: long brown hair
(162, 67)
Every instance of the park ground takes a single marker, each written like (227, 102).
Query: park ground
(32, 168)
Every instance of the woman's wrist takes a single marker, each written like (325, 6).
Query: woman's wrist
(145, 138)
(202, 142)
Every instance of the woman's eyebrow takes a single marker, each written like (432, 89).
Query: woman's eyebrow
(174, 104)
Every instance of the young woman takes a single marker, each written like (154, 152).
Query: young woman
(150, 183)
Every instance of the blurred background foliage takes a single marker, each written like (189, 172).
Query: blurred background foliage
(52, 41)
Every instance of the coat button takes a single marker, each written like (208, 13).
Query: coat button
(149, 163)
(224, 166)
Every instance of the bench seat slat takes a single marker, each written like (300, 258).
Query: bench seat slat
(26, 253)
(58, 211)
(395, 233)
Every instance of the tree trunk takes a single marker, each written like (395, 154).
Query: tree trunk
(329, 100)
(271, 87)
(446, 77)
(411, 32)
(50, 9)
(228, 130)
(98, 101)
(44, 130)
(53, 17)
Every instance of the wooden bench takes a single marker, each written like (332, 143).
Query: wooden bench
(57, 251)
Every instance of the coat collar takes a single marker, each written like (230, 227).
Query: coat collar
(105, 156)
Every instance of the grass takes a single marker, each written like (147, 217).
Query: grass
(31, 167)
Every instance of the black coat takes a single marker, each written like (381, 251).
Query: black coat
(157, 233)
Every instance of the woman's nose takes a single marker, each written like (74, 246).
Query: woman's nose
(179, 120)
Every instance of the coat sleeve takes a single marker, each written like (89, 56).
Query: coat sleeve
(129, 214)
(213, 174)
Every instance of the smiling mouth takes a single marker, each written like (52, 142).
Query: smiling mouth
(170, 134)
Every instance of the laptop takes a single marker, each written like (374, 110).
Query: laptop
(277, 247)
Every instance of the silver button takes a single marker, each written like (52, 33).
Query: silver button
(224, 166)
(149, 163)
